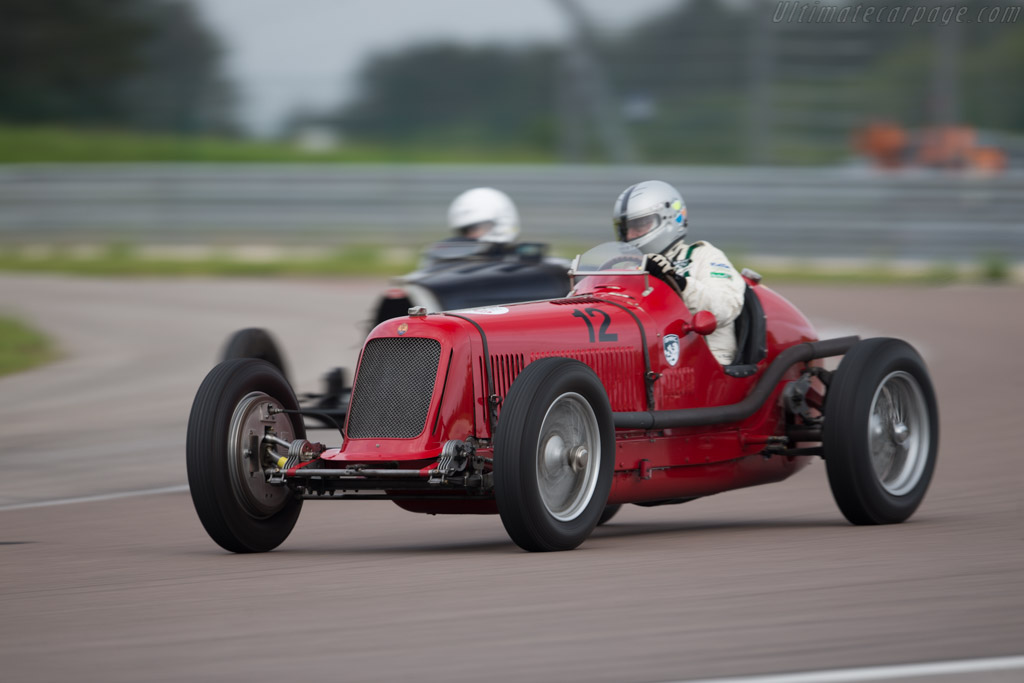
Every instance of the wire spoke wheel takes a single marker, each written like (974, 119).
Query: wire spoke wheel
(898, 432)
(880, 436)
(553, 455)
(567, 456)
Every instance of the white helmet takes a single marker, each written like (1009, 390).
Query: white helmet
(650, 215)
(484, 209)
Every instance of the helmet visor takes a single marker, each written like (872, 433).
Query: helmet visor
(640, 226)
(475, 230)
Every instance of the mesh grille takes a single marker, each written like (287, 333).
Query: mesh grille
(394, 387)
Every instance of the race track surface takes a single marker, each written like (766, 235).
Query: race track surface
(764, 580)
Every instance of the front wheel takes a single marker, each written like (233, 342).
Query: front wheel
(881, 432)
(554, 453)
(236, 406)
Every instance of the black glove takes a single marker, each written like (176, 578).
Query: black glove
(659, 266)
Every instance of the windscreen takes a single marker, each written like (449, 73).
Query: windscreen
(448, 250)
(611, 256)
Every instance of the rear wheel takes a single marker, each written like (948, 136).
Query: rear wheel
(553, 455)
(254, 342)
(881, 432)
(234, 407)
(609, 512)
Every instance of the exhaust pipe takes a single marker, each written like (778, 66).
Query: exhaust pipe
(713, 415)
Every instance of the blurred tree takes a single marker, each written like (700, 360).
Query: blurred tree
(993, 76)
(148, 64)
(692, 64)
(688, 85)
(990, 72)
(448, 94)
(181, 86)
(62, 60)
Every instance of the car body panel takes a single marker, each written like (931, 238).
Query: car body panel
(617, 326)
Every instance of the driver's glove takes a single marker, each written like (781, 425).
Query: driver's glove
(660, 266)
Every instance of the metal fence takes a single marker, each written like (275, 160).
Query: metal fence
(844, 212)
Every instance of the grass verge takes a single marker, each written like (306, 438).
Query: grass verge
(21, 347)
(873, 274)
(35, 144)
(126, 260)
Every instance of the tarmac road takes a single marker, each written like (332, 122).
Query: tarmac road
(764, 580)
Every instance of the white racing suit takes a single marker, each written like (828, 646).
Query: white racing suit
(712, 284)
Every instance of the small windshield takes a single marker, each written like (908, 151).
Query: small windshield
(450, 250)
(611, 256)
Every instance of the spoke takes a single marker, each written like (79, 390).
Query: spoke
(898, 405)
(886, 403)
(899, 453)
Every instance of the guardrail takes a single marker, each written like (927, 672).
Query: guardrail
(844, 212)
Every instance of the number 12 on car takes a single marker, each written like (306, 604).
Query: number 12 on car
(602, 333)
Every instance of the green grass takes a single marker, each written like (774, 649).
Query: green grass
(995, 267)
(33, 144)
(21, 347)
(987, 270)
(878, 274)
(126, 260)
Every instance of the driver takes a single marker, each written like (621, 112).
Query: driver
(651, 216)
(483, 214)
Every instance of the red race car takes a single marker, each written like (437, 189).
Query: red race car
(554, 413)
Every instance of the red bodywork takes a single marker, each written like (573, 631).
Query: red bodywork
(608, 323)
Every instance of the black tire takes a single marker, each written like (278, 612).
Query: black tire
(388, 308)
(534, 516)
(239, 511)
(881, 432)
(609, 512)
(254, 342)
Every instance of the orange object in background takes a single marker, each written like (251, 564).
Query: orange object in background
(884, 142)
(889, 146)
(988, 159)
(946, 146)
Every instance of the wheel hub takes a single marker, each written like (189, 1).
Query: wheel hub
(555, 453)
(900, 433)
(579, 459)
(251, 420)
(558, 454)
(568, 456)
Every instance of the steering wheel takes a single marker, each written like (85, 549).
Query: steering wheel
(632, 260)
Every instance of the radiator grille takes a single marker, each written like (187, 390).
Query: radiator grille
(394, 388)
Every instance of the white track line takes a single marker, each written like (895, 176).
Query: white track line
(876, 673)
(94, 499)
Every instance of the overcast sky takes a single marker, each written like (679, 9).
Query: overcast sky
(285, 54)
